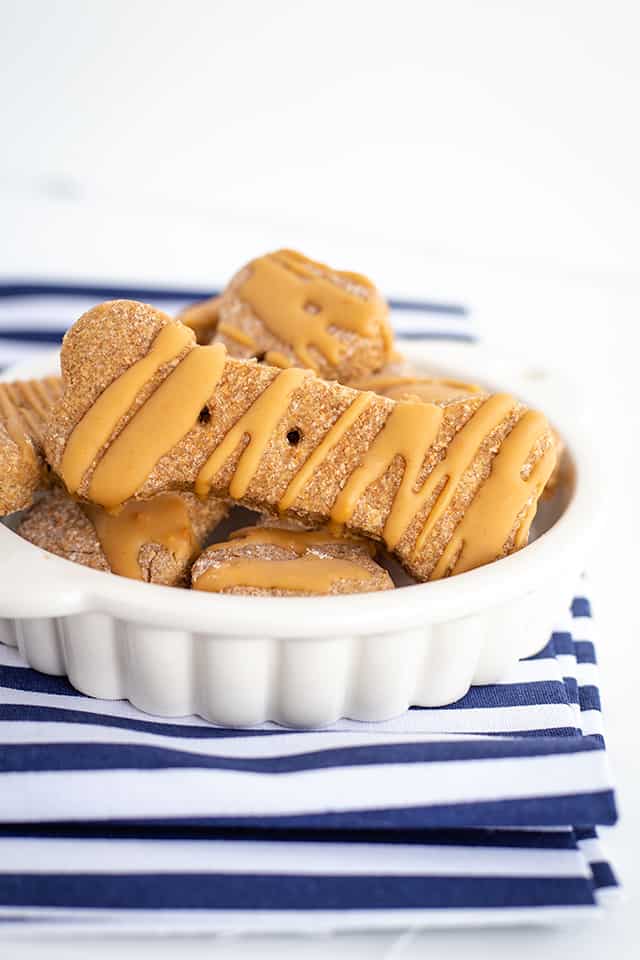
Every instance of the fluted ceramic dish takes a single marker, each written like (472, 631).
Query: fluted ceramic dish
(306, 662)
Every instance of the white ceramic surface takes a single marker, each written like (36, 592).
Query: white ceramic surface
(307, 662)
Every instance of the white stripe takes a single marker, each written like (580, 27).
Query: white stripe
(63, 922)
(200, 793)
(587, 674)
(591, 849)
(276, 745)
(472, 720)
(584, 628)
(12, 351)
(582, 673)
(591, 722)
(56, 312)
(42, 855)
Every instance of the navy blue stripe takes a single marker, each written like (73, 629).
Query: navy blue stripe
(19, 678)
(580, 607)
(603, 875)
(589, 698)
(26, 335)
(571, 686)
(501, 695)
(593, 808)
(102, 291)
(562, 642)
(28, 712)
(585, 651)
(521, 839)
(429, 306)
(540, 732)
(117, 291)
(10, 712)
(437, 335)
(26, 757)
(220, 891)
(586, 833)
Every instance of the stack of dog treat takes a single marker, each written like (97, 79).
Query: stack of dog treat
(284, 395)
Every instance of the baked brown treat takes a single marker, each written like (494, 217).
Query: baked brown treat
(274, 561)
(398, 380)
(447, 486)
(24, 407)
(153, 540)
(202, 318)
(291, 311)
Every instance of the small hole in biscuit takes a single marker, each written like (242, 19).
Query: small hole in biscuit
(294, 437)
(260, 357)
(205, 415)
(311, 307)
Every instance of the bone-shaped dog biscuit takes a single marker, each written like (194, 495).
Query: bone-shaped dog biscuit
(446, 486)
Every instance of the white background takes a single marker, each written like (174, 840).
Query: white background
(485, 152)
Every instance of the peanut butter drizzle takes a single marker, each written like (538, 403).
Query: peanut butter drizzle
(298, 305)
(202, 318)
(169, 413)
(344, 422)
(296, 540)
(163, 520)
(258, 423)
(308, 574)
(490, 518)
(238, 335)
(426, 389)
(25, 405)
(99, 422)
(502, 501)
(408, 433)
(276, 359)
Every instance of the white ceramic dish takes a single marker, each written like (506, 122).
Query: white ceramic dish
(307, 662)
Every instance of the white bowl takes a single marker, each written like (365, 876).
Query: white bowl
(306, 662)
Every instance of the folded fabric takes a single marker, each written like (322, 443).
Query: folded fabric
(528, 751)
(482, 811)
(172, 879)
(112, 819)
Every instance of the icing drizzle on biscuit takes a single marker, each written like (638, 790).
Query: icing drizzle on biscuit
(163, 520)
(497, 516)
(424, 389)
(299, 303)
(306, 572)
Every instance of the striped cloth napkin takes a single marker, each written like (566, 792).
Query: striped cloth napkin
(483, 811)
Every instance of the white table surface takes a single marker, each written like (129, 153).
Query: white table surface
(485, 153)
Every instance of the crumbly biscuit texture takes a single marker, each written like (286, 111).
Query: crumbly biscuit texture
(292, 311)
(274, 560)
(446, 486)
(61, 525)
(24, 408)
